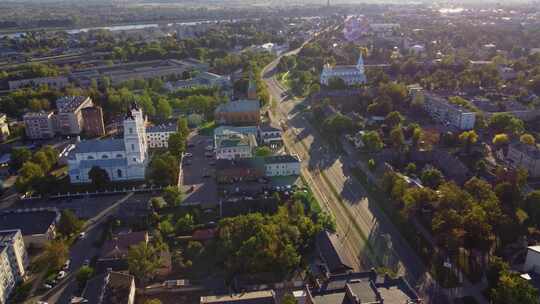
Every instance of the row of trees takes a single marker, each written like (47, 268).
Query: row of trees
(33, 169)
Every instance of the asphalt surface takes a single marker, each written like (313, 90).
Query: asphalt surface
(360, 222)
(84, 249)
(204, 188)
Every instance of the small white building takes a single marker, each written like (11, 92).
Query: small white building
(158, 136)
(532, 261)
(233, 146)
(282, 165)
(350, 74)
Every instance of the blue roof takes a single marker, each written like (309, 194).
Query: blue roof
(103, 163)
(99, 145)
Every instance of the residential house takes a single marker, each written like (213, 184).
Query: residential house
(39, 125)
(238, 112)
(37, 225)
(532, 260)
(114, 252)
(109, 288)
(524, 156)
(282, 165)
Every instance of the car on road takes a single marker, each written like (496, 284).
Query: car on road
(66, 265)
(209, 148)
(82, 235)
(61, 274)
(188, 155)
(47, 286)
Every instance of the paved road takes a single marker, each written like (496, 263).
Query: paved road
(360, 223)
(80, 251)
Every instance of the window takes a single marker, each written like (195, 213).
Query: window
(130, 130)
(119, 173)
(119, 155)
(132, 147)
(104, 156)
(90, 157)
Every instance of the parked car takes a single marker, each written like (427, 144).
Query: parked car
(62, 274)
(188, 155)
(82, 235)
(66, 265)
(209, 148)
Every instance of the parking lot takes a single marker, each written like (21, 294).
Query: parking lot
(198, 180)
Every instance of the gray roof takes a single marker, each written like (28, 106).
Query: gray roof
(281, 159)
(6, 236)
(239, 106)
(103, 163)
(331, 251)
(531, 151)
(29, 222)
(70, 103)
(161, 128)
(100, 145)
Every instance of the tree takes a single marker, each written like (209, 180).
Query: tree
(69, 223)
(163, 109)
(372, 141)
(289, 299)
(397, 138)
(468, 139)
(182, 127)
(528, 139)
(29, 176)
(496, 268)
(504, 122)
(84, 274)
(163, 169)
(55, 254)
(336, 83)
(500, 139)
(393, 119)
(337, 124)
(432, 178)
(185, 224)
(99, 177)
(512, 289)
(416, 136)
(411, 168)
(18, 157)
(177, 144)
(532, 207)
(173, 196)
(263, 151)
(143, 261)
(152, 301)
(371, 164)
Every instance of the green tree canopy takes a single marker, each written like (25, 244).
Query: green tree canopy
(143, 261)
(99, 177)
(372, 141)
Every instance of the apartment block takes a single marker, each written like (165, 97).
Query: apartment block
(70, 117)
(39, 125)
(440, 109)
(158, 136)
(18, 257)
(7, 280)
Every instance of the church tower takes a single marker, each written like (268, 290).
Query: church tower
(135, 138)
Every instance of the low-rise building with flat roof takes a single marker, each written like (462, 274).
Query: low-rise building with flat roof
(252, 297)
(234, 146)
(38, 226)
(93, 121)
(282, 165)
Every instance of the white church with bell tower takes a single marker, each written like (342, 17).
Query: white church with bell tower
(122, 158)
(350, 74)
